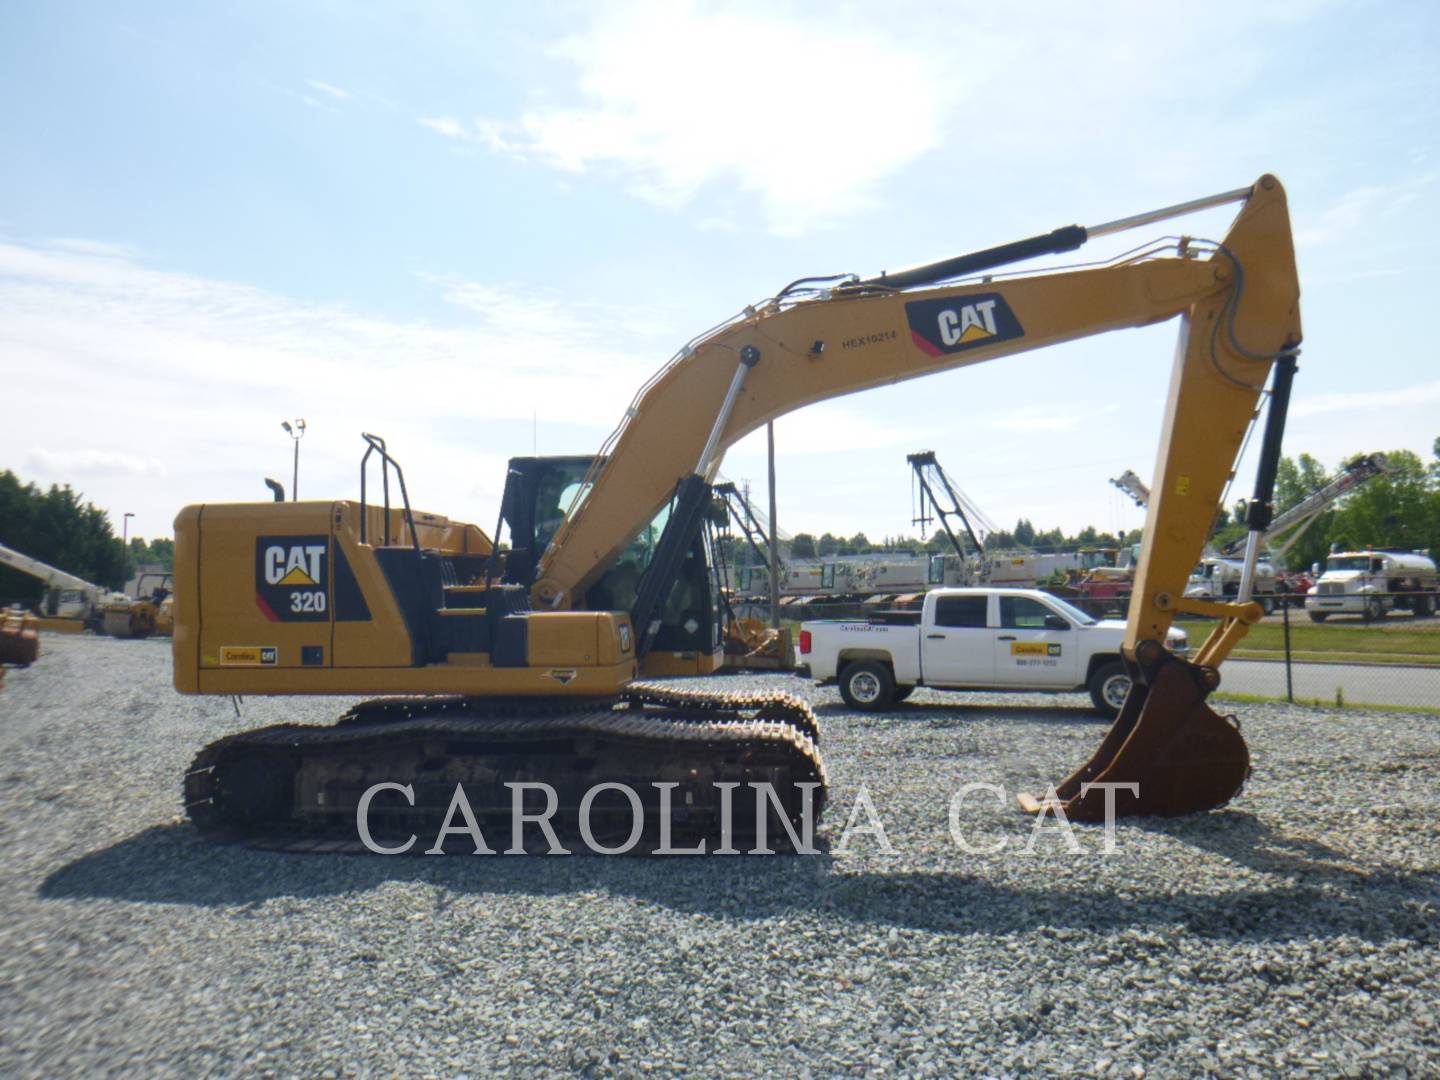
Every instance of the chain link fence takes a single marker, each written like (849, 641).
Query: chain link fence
(1376, 649)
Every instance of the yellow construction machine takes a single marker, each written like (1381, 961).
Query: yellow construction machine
(152, 611)
(509, 668)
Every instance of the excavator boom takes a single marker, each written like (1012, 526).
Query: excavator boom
(1238, 302)
(849, 339)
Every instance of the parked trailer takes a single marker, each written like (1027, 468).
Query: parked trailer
(1016, 569)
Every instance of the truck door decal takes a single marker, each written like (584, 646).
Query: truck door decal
(1035, 648)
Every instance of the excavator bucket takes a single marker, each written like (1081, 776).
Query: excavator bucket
(1183, 756)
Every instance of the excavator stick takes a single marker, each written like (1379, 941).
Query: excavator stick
(1178, 755)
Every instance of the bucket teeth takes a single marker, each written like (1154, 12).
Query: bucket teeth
(1178, 754)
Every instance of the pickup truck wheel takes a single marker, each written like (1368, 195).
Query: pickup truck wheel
(867, 685)
(1108, 687)
(1319, 616)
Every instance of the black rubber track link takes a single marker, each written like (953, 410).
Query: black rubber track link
(297, 787)
(777, 706)
(774, 706)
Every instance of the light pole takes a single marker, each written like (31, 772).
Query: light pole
(774, 533)
(296, 433)
(125, 542)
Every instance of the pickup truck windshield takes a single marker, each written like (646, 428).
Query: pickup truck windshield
(1071, 611)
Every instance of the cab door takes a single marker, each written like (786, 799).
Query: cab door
(957, 645)
(1035, 644)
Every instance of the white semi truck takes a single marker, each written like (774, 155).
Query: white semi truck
(1219, 579)
(973, 639)
(1371, 583)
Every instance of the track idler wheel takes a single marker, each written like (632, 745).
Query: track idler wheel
(1184, 756)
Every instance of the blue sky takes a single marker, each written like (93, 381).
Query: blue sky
(477, 228)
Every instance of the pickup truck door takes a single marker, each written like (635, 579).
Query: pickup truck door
(1031, 647)
(956, 645)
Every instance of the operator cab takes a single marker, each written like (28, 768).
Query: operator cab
(541, 491)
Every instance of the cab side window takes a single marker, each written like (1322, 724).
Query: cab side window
(1022, 613)
(961, 611)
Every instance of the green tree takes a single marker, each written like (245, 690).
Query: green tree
(999, 540)
(732, 549)
(1398, 510)
(1052, 540)
(160, 553)
(57, 528)
(1296, 480)
(802, 546)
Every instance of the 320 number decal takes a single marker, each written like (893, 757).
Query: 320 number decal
(307, 601)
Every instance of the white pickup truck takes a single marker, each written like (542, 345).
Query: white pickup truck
(973, 639)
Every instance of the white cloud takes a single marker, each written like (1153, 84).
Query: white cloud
(1372, 401)
(1362, 208)
(811, 119)
(328, 89)
(828, 428)
(81, 463)
(717, 225)
(674, 98)
(486, 133)
(444, 125)
(140, 367)
(1033, 419)
(92, 247)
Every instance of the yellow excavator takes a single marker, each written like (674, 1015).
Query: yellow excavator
(503, 669)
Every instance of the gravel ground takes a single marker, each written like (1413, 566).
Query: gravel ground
(1295, 932)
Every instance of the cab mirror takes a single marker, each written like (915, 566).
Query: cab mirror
(1056, 622)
